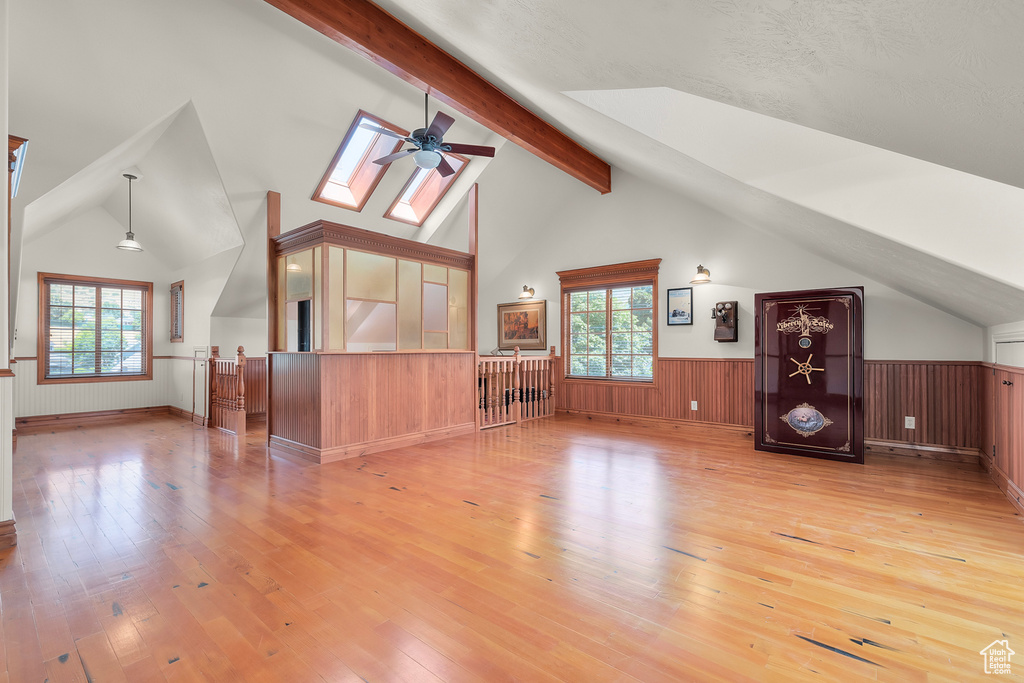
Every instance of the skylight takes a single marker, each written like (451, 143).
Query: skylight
(423, 191)
(352, 175)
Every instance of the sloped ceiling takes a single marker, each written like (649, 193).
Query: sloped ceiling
(935, 81)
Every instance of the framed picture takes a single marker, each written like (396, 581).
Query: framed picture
(680, 306)
(523, 325)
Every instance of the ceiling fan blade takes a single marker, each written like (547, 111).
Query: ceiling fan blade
(440, 125)
(383, 161)
(475, 150)
(444, 168)
(383, 131)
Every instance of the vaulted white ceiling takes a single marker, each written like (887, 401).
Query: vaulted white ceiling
(882, 135)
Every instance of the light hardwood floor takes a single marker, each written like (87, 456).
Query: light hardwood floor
(564, 550)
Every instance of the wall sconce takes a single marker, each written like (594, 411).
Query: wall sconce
(527, 292)
(702, 277)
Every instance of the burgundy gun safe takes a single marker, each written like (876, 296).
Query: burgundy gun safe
(809, 373)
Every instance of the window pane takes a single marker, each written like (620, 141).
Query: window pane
(61, 295)
(578, 342)
(643, 319)
(620, 321)
(622, 366)
(578, 323)
(85, 363)
(110, 362)
(131, 362)
(579, 365)
(85, 318)
(578, 301)
(435, 340)
(60, 364)
(84, 296)
(370, 276)
(111, 297)
(598, 301)
(85, 341)
(643, 297)
(298, 274)
(432, 273)
(596, 343)
(621, 342)
(435, 307)
(131, 341)
(643, 366)
(60, 316)
(642, 343)
(336, 300)
(621, 298)
(111, 341)
(596, 366)
(370, 326)
(131, 320)
(410, 305)
(458, 309)
(61, 339)
(110, 319)
(597, 322)
(131, 298)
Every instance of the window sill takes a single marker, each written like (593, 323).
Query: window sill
(91, 378)
(609, 381)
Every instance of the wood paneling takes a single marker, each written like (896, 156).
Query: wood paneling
(373, 33)
(944, 399)
(723, 389)
(294, 380)
(255, 386)
(344, 404)
(1004, 457)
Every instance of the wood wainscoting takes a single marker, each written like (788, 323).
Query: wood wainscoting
(330, 406)
(1003, 450)
(945, 398)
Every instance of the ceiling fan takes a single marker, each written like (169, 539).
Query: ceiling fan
(429, 144)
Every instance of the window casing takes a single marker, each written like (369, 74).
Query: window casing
(423, 191)
(352, 176)
(94, 329)
(609, 321)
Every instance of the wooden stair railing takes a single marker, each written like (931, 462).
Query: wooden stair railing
(516, 389)
(227, 392)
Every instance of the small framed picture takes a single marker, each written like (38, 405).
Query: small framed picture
(523, 325)
(680, 306)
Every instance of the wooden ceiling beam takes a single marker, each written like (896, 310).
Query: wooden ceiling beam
(370, 31)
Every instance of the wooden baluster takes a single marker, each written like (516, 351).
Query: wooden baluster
(517, 407)
(240, 389)
(551, 380)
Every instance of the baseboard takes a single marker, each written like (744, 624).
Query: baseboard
(37, 423)
(659, 422)
(194, 418)
(927, 451)
(326, 455)
(8, 535)
(1009, 489)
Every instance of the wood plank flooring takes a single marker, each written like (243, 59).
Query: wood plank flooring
(561, 550)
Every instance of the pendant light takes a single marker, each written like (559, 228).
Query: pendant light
(129, 243)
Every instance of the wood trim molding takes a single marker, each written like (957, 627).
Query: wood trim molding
(1012, 492)
(194, 418)
(926, 451)
(615, 273)
(326, 455)
(4, 372)
(378, 36)
(42, 329)
(34, 423)
(8, 534)
(324, 232)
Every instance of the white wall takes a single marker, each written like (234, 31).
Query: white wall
(536, 221)
(230, 333)
(1000, 346)
(84, 245)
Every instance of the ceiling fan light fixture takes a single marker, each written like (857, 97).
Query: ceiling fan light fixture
(427, 158)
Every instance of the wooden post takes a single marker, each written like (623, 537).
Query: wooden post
(240, 393)
(212, 414)
(517, 406)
